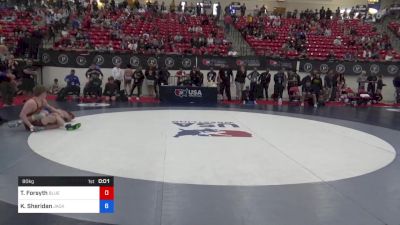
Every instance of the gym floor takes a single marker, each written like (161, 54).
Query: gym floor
(229, 164)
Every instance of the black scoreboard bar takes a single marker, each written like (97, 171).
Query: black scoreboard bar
(65, 181)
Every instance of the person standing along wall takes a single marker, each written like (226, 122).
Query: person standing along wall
(138, 78)
(240, 80)
(253, 77)
(264, 79)
(128, 76)
(118, 75)
(225, 83)
(151, 76)
(279, 86)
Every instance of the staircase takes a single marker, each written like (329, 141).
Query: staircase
(239, 44)
(382, 27)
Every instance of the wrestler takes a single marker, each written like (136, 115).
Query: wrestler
(37, 114)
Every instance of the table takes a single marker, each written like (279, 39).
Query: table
(188, 95)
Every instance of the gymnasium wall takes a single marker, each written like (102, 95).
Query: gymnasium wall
(49, 73)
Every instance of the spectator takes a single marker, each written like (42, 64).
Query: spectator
(110, 90)
(228, 22)
(264, 80)
(55, 88)
(128, 77)
(328, 32)
(225, 80)
(138, 78)
(279, 86)
(243, 9)
(293, 80)
(181, 76)
(162, 79)
(118, 75)
(337, 41)
(240, 79)
(396, 84)
(379, 85)
(253, 77)
(362, 80)
(29, 75)
(316, 88)
(388, 56)
(328, 84)
(372, 80)
(218, 9)
(212, 77)
(7, 88)
(306, 88)
(197, 78)
(151, 77)
(73, 86)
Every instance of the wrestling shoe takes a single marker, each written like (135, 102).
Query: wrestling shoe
(70, 127)
(14, 124)
(36, 129)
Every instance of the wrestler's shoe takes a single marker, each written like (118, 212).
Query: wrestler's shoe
(37, 129)
(14, 124)
(70, 127)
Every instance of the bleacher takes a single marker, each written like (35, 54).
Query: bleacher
(394, 26)
(162, 28)
(12, 21)
(318, 46)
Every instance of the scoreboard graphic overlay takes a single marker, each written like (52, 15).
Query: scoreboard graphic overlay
(65, 195)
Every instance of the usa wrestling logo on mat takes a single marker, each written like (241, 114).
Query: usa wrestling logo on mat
(209, 129)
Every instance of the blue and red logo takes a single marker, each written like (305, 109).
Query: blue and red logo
(186, 92)
(209, 129)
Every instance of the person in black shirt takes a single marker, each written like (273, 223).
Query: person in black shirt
(229, 72)
(93, 86)
(163, 76)
(306, 89)
(196, 77)
(328, 84)
(328, 14)
(110, 90)
(253, 77)
(151, 77)
(28, 78)
(396, 84)
(7, 89)
(279, 86)
(316, 88)
(161, 80)
(243, 10)
(372, 79)
(225, 83)
(264, 79)
(379, 87)
(334, 87)
(93, 72)
(240, 80)
(138, 78)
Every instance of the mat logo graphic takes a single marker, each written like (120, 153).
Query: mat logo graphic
(184, 93)
(209, 129)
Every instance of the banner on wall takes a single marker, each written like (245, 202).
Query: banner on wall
(109, 60)
(186, 62)
(351, 68)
